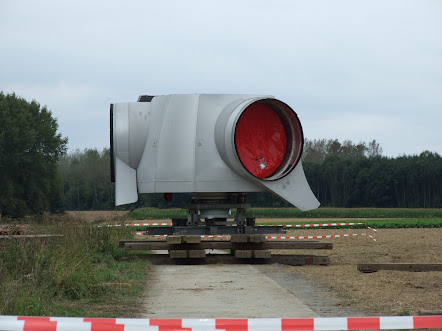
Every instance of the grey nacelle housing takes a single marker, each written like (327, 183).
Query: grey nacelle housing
(191, 143)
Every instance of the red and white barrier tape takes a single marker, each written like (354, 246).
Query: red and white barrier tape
(323, 237)
(318, 237)
(142, 224)
(22, 323)
(280, 225)
(283, 237)
(371, 237)
(165, 235)
(312, 225)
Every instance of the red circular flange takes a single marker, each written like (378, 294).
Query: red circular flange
(260, 140)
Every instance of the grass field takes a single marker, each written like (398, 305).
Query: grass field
(154, 213)
(345, 213)
(393, 223)
(78, 273)
(400, 223)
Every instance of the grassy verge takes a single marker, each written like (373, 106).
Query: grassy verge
(77, 274)
(154, 213)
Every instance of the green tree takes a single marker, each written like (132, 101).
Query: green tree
(317, 150)
(29, 150)
(86, 180)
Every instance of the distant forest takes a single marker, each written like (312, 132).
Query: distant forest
(341, 174)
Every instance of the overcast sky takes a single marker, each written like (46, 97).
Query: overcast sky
(358, 70)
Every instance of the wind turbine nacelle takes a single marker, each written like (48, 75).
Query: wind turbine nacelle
(204, 143)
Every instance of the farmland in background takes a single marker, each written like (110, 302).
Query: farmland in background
(375, 217)
(156, 213)
(340, 174)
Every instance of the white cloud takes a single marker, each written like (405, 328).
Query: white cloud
(373, 65)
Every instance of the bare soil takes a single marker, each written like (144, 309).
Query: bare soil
(384, 292)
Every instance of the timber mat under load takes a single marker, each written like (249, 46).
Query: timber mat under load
(239, 249)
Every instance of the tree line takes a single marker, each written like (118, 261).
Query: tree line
(340, 174)
(37, 175)
(29, 151)
(85, 178)
(357, 175)
(407, 181)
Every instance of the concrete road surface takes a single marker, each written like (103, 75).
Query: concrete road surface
(219, 291)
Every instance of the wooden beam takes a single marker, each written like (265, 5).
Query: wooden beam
(31, 236)
(373, 267)
(178, 240)
(295, 260)
(424, 312)
(186, 254)
(162, 245)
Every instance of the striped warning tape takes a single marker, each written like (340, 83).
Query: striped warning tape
(318, 237)
(24, 323)
(281, 237)
(139, 224)
(165, 235)
(371, 237)
(276, 225)
(313, 225)
(215, 236)
(322, 237)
